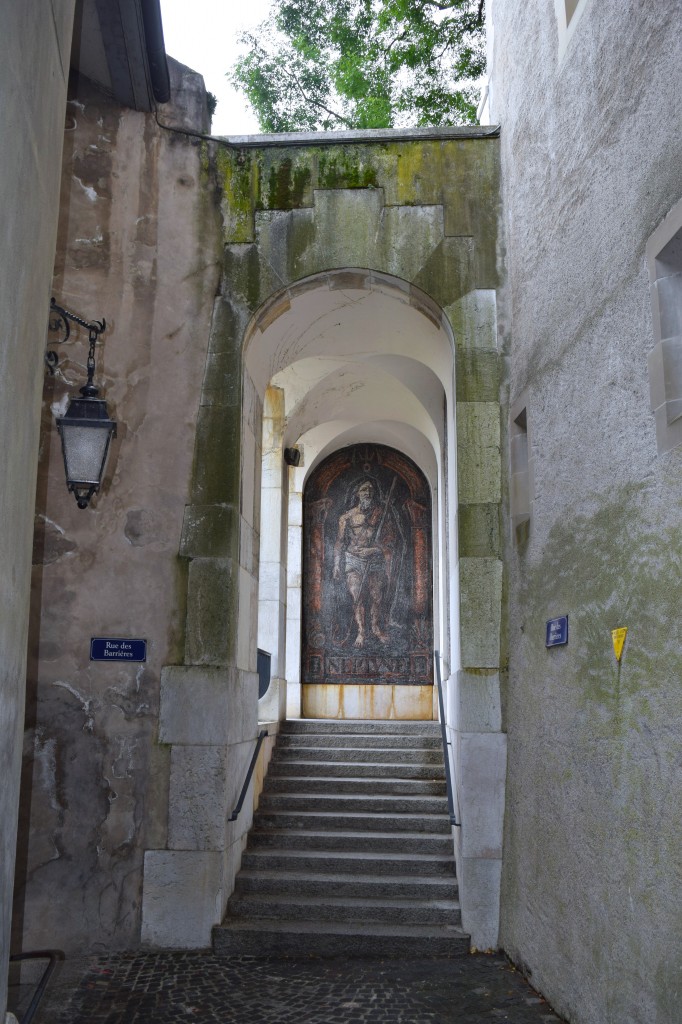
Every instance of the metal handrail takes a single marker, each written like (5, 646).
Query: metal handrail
(446, 744)
(235, 813)
(54, 956)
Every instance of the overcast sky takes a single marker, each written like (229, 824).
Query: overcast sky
(203, 35)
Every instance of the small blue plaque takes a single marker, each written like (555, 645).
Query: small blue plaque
(108, 648)
(557, 631)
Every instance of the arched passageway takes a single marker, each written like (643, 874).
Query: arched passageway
(351, 358)
(357, 305)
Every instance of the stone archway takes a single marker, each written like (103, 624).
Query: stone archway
(354, 356)
(361, 284)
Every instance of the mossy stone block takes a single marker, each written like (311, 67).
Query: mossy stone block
(242, 269)
(347, 167)
(230, 320)
(477, 375)
(222, 379)
(480, 611)
(473, 318)
(478, 452)
(209, 531)
(447, 274)
(286, 179)
(210, 604)
(217, 456)
(480, 708)
(479, 531)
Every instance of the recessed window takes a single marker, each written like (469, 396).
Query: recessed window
(664, 255)
(520, 474)
(568, 14)
(570, 6)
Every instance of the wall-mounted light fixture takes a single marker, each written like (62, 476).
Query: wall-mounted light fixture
(86, 429)
(292, 456)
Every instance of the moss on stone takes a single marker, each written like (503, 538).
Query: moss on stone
(178, 622)
(615, 569)
(210, 531)
(287, 183)
(477, 375)
(346, 167)
(217, 460)
(242, 268)
(479, 531)
(222, 375)
(211, 618)
(447, 274)
(417, 173)
(239, 181)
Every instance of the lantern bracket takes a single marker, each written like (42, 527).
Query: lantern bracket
(59, 320)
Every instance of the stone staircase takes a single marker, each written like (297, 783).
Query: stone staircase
(351, 852)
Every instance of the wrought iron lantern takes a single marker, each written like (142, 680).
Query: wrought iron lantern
(86, 430)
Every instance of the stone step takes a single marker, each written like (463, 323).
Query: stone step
(330, 908)
(333, 821)
(361, 842)
(326, 725)
(330, 784)
(359, 741)
(313, 862)
(358, 755)
(335, 939)
(355, 770)
(350, 804)
(356, 886)
(351, 849)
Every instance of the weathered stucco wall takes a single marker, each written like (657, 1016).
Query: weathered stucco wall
(592, 847)
(33, 80)
(138, 244)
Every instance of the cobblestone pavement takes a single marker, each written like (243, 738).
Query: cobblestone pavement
(170, 987)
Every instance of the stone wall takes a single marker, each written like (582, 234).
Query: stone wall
(33, 81)
(138, 244)
(592, 847)
(420, 210)
(185, 245)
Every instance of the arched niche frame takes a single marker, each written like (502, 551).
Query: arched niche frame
(347, 357)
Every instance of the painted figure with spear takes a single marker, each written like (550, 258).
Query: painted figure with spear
(362, 554)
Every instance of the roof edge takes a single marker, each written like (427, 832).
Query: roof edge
(156, 50)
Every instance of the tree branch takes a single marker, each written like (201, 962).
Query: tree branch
(396, 39)
(440, 5)
(316, 103)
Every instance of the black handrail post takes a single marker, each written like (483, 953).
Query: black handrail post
(446, 752)
(242, 796)
(54, 956)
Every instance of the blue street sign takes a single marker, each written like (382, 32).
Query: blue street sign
(557, 631)
(106, 648)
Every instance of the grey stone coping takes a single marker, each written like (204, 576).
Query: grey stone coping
(374, 135)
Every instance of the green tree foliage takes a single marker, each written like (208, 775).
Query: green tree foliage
(324, 64)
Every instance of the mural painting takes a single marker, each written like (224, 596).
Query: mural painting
(367, 593)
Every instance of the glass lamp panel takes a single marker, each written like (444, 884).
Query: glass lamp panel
(85, 450)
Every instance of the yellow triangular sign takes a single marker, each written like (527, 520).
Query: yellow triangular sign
(618, 637)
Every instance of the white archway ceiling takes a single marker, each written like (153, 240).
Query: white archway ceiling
(354, 365)
(328, 437)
